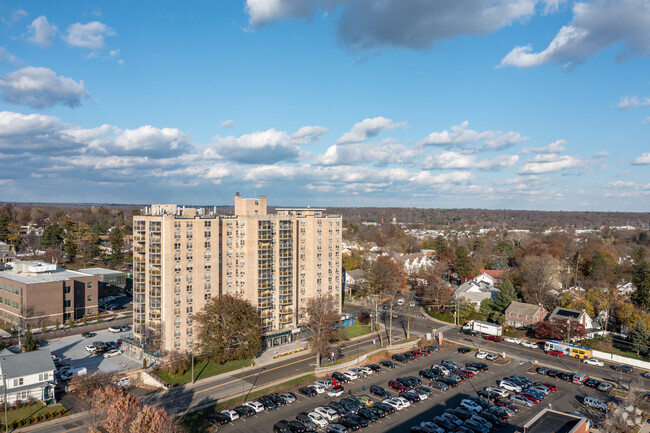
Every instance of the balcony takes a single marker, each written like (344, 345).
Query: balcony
(286, 319)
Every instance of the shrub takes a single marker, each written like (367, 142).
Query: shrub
(18, 404)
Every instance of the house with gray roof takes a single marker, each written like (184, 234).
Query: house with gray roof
(520, 314)
(475, 292)
(28, 375)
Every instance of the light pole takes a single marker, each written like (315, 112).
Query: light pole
(4, 383)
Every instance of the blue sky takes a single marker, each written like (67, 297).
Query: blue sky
(520, 104)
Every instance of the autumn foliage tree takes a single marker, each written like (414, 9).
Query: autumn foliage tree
(320, 318)
(555, 330)
(433, 289)
(228, 328)
(113, 410)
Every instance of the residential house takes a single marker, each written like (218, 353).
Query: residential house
(626, 289)
(28, 375)
(496, 274)
(354, 276)
(476, 292)
(520, 314)
(413, 263)
(562, 315)
(6, 253)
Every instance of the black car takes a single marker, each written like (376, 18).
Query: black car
(219, 418)
(423, 390)
(377, 411)
(368, 415)
(414, 379)
(410, 396)
(244, 411)
(499, 412)
(406, 382)
(645, 374)
(408, 355)
(307, 391)
(439, 385)
(338, 408)
(567, 376)
(267, 402)
(421, 429)
(388, 363)
(379, 391)
(487, 394)
(385, 407)
(464, 350)
(478, 401)
(340, 377)
(359, 420)
(427, 374)
(400, 358)
(297, 427)
(553, 373)
(542, 370)
(436, 371)
(354, 399)
(451, 382)
(87, 334)
(492, 418)
(349, 405)
(281, 426)
(374, 367)
(477, 365)
(624, 368)
(277, 399)
(349, 424)
(433, 348)
(592, 383)
(306, 421)
(460, 413)
(444, 423)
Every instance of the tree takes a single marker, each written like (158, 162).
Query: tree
(29, 344)
(384, 275)
(321, 316)
(4, 227)
(57, 325)
(52, 236)
(641, 279)
(433, 289)
(70, 249)
(43, 328)
(351, 261)
(540, 275)
(506, 295)
(556, 330)
(70, 322)
(463, 265)
(640, 337)
(116, 238)
(228, 328)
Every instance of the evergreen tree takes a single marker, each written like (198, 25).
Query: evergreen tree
(506, 295)
(641, 279)
(4, 227)
(29, 343)
(116, 238)
(640, 337)
(464, 266)
(52, 236)
(70, 248)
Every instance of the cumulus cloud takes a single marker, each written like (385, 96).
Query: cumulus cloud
(551, 163)
(380, 154)
(90, 35)
(268, 146)
(644, 159)
(454, 160)
(228, 123)
(32, 132)
(309, 134)
(41, 32)
(41, 87)
(412, 24)
(369, 128)
(555, 147)
(473, 141)
(627, 102)
(6, 55)
(596, 26)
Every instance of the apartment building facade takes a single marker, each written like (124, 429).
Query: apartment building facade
(35, 293)
(183, 257)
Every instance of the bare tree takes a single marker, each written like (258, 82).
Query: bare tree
(540, 274)
(321, 315)
(432, 287)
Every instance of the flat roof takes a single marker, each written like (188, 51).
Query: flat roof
(100, 271)
(553, 421)
(31, 278)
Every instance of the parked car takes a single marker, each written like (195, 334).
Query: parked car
(439, 385)
(493, 338)
(506, 404)
(328, 413)
(219, 419)
(307, 391)
(529, 396)
(115, 329)
(593, 361)
(579, 378)
(624, 368)
(289, 397)
(90, 348)
(492, 356)
(463, 350)
(374, 367)
(267, 402)
(336, 428)
(512, 340)
(471, 405)
(553, 373)
(337, 391)
(481, 355)
(399, 358)
(340, 377)
(567, 376)
(377, 411)
(595, 403)
(368, 415)
(297, 427)
(380, 392)
(542, 370)
(521, 400)
(244, 411)
(255, 405)
(233, 415)
(87, 334)
(385, 407)
(112, 353)
(510, 386)
(605, 387)
(398, 386)
(317, 419)
(410, 395)
(388, 363)
(550, 386)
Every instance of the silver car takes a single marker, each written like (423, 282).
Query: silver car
(336, 428)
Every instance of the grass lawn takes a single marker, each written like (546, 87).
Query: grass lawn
(197, 421)
(356, 330)
(202, 370)
(34, 411)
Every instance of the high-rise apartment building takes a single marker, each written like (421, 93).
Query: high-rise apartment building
(182, 257)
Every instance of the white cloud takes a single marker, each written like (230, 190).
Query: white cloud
(41, 32)
(454, 160)
(621, 184)
(369, 153)
(308, 134)
(90, 35)
(41, 87)
(368, 128)
(16, 16)
(268, 146)
(145, 140)
(263, 12)
(551, 163)
(426, 178)
(633, 101)
(596, 25)
(555, 147)
(228, 123)
(6, 55)
(644, 159)
(32, 132)
(460, 136)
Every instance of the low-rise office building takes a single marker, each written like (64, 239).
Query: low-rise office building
(111, 282)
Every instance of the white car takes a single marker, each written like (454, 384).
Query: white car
(359, 372)
(492, 356)
(442, 368)
(394, 402)
(324, 382)
(328, 413)
(289, 398)
(512, 340)
(317, 419)
(471, 405)
(255, 405)
(115, 329)
(368, 370)
(351, 374)
(510, 386)
(481, 355)
(91, 348)
(337, 428)
(595, 403)
(112, 353)
(230, 414)
(337, 391)
(501, 392)
(528, 344)
(592, 361)
(540, 388)
(404, 401)
(319, 388)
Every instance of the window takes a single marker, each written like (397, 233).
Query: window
(177, 257)
(188, 321)
(66, 289)
(18, 382)
(177, 289)
(177, 267)
(66, 303)
(177, 225)
(207, 234)
(177, 323)
(177, 344)
(90, 284)
(207, 245)
(207, 286)
(207, 296)
(189, 245)
(90, 311)
(189, 225)
(177, 246)
(16, 291)
(518, 316)
(188, 331)
(42, 377)
(189, 310)
(177, 333)
(90, 298)
(207, 224)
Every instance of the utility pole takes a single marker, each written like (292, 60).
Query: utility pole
(568, 330)
(243, 385)
(4, 382)
(192, 362)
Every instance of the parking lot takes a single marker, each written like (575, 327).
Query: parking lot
(72, 350)
(568, 397)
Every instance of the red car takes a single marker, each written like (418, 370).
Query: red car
(550, 386)
(555, 352)
(468, 373)
(416, 353)
(493, 337)
(335, 383)
(507, 404)
(425, 352)
(530, 397)
(461, 374)
(397, 386)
